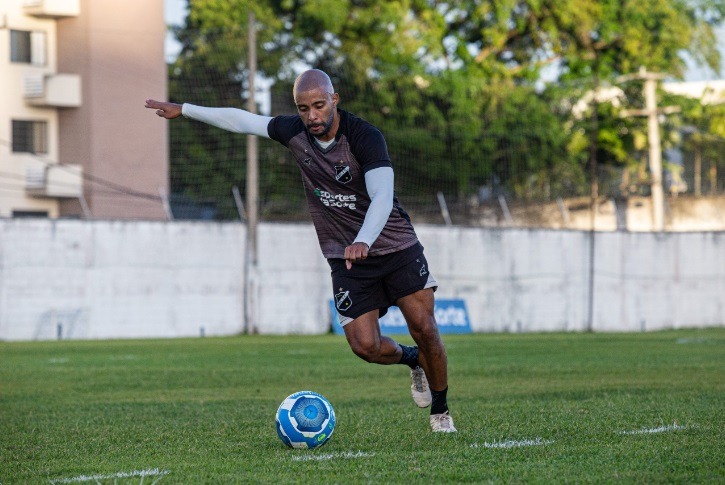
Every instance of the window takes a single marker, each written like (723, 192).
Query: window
(30, 136)
(27, 214)
(27, 47)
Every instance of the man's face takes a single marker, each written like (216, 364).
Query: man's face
(317, 109)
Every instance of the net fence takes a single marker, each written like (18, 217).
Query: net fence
(460, 148)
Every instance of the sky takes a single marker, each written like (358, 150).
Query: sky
(176, 12)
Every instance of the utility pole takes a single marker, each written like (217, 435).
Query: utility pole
(250, 281)
(594, 196)
(652, 113)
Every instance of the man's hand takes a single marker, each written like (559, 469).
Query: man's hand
(165, 110)
(355, 252)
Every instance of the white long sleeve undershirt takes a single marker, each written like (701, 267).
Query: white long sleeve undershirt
(230, 119)
(379, 182)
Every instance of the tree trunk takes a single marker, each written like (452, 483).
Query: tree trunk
(698, 172)
(713, 178)
(624, 184)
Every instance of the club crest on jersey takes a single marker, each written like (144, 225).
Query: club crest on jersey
(342, 300)
(343, 173)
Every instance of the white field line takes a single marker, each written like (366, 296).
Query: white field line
(661, 429)
(123, 357)
(513, 443)
(696, 340)
(155, 472)
(59, 360)
(332, 456)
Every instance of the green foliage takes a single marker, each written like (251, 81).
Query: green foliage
(615, 37)
(704, 128)
(450, 84)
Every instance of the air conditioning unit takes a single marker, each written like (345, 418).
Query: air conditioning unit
(53, 90)
(54, 180)
(52, 8)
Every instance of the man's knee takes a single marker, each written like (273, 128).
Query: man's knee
(368, 350)
(424, 328)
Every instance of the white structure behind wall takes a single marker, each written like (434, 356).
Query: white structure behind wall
(102, 279)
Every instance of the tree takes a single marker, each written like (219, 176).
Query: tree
(703, 126)
(451, 84)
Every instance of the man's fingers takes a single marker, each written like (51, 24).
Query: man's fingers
(349, 256)
(355, 252)
(163, 109)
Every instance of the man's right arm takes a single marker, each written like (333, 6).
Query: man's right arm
(230, 119)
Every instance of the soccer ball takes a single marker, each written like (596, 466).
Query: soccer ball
(305, 419)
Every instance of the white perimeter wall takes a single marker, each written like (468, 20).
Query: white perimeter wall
(122, 279)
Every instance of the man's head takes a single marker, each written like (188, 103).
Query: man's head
(316, 102)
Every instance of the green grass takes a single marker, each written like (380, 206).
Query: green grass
(202, 410)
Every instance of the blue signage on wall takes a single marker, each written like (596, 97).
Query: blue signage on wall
(451, 316)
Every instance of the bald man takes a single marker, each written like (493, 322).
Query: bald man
(366, 236)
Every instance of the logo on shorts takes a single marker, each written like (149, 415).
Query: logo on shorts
(423, 271)
(342, 300)
(343, 173)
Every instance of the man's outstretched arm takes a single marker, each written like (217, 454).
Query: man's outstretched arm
(230, 119)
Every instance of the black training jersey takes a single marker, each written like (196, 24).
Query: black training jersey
(334, 182)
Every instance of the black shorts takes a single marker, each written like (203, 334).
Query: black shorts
(378, 281)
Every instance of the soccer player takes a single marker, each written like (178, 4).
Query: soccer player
(366, 236)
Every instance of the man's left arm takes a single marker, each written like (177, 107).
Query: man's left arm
(379, 183)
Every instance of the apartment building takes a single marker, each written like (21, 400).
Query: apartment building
(75, 139)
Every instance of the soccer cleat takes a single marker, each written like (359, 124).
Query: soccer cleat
(419, 388)
(442, 423)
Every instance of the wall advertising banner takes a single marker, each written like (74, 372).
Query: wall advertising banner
(451, 315)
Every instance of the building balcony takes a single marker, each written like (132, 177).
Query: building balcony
(52, 8)
(54, 180)
(53, 91)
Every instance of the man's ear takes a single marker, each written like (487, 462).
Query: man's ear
(335, 99)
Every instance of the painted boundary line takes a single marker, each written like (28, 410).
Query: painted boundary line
(361, 454)
(541, 441)
(661, 429)
(154, 472)
(332, 456)
(695, 340)
(513, 443)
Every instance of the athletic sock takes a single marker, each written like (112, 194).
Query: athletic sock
(410, 356)
(439, 405)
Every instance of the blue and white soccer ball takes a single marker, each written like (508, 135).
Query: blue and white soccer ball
(305, 419)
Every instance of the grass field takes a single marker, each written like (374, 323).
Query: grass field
(541, 408)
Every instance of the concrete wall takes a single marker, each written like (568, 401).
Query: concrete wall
(539, 280)
(119, 280)
(103, 279)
